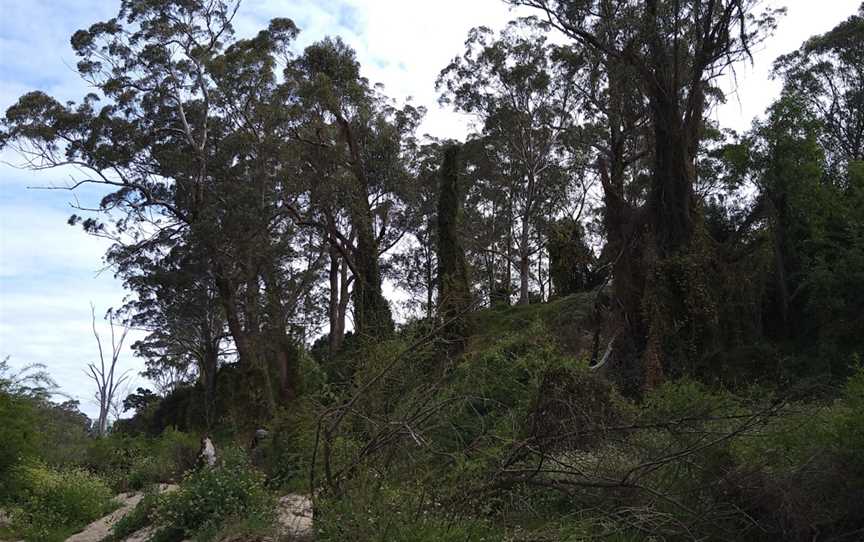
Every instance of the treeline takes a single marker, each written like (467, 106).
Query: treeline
(255, 192)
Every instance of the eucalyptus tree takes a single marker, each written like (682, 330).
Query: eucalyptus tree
(523, 94)
(355, 166)
(673, 50)
(811, 218)
(414, 267)
(828, 72)
(488, 226)
(785, 163)
(177, 304)
(454, 285)
(191, 140)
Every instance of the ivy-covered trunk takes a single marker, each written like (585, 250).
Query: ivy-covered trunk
(454, 286)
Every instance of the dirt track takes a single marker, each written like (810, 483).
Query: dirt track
(294, 515)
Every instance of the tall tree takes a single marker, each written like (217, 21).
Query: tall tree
(454, 285)
(523, 94)
(827, 71)
(674, 49)
(193, 119)
(355, 143)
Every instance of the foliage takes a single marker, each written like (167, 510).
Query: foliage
(376, 510)
(134, 462)
(285, 454)
(140, 517)
(212, 499)
(32, 427)
(165, 459)
(571, 261)
(52, 504)
(141, 399)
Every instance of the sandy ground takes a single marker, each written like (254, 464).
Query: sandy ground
(295, 519)
(101, 528)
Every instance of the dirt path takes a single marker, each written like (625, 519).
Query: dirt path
(101, 528)
(294, 515)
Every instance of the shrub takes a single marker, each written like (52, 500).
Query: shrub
(372, 510)
(164, 459)
(805, 471)
(285, 454)
(133, 462)
(55, 503)
(210, 500)
(137, 519)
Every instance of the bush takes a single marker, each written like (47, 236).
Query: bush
(53, 504)
(165, 459)
(137, 519)
(372, 510)
(285, 454)
(133, 462)
(18, 435)
(211, 500)
(806, 469)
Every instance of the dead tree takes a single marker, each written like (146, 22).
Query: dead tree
(104, 375)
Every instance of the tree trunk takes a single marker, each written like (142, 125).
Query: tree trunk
(671, 197)
(672, 226)
(372, 318)
(454, 289)
(524, 275)
(344, 284)
(430, 282)
(454, 286)
(280, 342)
(540, 273)
(228, 300)
(508, 274)
(335, 264)
(209, 367)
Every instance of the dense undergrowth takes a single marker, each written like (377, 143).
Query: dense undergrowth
(513, 439)
(518, 440)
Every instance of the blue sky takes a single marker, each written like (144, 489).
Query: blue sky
(50, 272)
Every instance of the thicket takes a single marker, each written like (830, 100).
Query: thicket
(519, 441)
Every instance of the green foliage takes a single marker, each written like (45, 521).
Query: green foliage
(18, 422)
(139, 400)
(32, 427)
(210, 500)
(134, 462)
(165, 459)
(571, 261)
(52, 504)
(140, 516)
(285, 454)
(372, 510)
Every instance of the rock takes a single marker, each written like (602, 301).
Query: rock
(295, 517)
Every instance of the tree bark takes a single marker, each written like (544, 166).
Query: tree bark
(335, 335)
(372, 318)
(454, 287)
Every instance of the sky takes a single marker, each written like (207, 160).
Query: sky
(50, 272)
